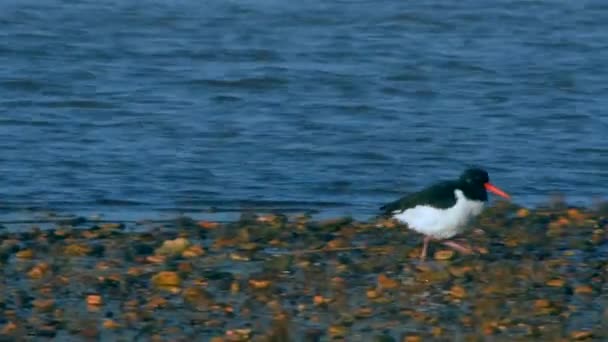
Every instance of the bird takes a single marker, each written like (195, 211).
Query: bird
(444, 209)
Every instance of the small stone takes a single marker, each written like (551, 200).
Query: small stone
(173, 247)
(110, 324)
(135, 271)
(191, 294)
(259, 283)
(460, 271)
(235, 287)
(385, 282)
(44, 305)
(373, 293)
(523, 212)
(277, 243)
(166, 279)
(597, 238)
(156, 259)
(364, 312)
(583, 289)
(239, 335)
(236, 256)
(131, 317)
(542, 303)
(62, 232)
(184, 267)
(559, 223)
(197, 296)
(437, 331)
(581, 335)
(89, 234)
(444, 254)
(458, 292)
(208, 224)
(193, 252)
(90, 332)
(467, 321)
(429, 274)
(202, 282)
(544, 307)
(511, 241)
(269, 218)
(8, 328)
(39, 270)
(25, 254)
(77, 250)
(104, 265)
(156, 302)
(337, 331)
(94, 300)
(575, 214)
(337, 243)
(556, 282)
(489, 328)
(111, 226)
(320, 300)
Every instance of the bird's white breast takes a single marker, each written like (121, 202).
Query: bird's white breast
(441, 223)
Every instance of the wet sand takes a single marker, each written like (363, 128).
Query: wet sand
(538, 274)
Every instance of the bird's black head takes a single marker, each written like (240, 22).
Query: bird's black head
(475, 177)
(475, 181)
(472, 183)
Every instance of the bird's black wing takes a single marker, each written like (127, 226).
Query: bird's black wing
(440, 195)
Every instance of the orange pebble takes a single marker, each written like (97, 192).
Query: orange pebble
(94, 299)
(208, 224)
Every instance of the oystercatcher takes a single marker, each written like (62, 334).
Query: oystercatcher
(444, 209)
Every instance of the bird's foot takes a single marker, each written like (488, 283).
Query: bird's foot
(458, 247)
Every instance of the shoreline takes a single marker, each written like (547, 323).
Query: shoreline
(537, 274)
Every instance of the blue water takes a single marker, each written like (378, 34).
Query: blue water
(151, 108)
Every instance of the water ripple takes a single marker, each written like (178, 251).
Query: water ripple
(183, 106)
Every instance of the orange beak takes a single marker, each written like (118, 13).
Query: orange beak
(491, 188)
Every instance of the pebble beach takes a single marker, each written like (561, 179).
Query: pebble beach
(537, 274)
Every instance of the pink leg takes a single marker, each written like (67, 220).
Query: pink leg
(425, 246)
(462, 249)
